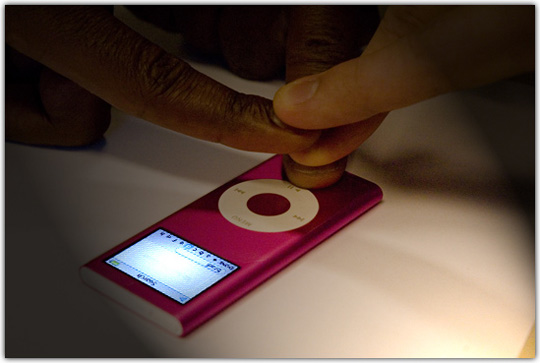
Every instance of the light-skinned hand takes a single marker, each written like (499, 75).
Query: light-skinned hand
(417, 52)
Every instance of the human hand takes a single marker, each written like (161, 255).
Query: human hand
(416, 53)
(318, 38)
(90, 56)
(260, 42)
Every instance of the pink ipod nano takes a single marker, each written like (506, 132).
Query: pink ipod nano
(183, 270)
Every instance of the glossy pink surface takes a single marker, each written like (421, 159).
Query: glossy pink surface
(259, 254)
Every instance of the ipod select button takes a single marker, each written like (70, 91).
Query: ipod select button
(268, 204)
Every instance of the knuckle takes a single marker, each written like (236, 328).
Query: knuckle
(163, 78)
(83, 129)
(93, 132)
(239, 107)
(253, 40)
(72, 116)
(319, 38)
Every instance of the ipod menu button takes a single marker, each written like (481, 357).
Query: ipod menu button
(268, 205)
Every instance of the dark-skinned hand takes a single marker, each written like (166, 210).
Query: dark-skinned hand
(66, 64)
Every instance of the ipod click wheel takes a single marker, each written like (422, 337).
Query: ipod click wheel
(268, 205)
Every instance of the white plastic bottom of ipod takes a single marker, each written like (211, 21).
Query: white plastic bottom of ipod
(131, 301)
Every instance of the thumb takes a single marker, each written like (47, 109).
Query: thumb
(466, 46)
(318, 38)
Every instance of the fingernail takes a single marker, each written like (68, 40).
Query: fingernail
(301, 90)
(278, 122)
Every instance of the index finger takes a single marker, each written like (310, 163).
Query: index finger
(95, 50)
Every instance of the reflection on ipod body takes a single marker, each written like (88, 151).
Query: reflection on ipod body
(171, 265)
(188, 267)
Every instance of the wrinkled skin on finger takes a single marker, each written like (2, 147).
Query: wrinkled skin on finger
(97, 52)
(263, 42)
(250, 40)
(260, 42)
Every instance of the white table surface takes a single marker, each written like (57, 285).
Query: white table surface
(443, 267)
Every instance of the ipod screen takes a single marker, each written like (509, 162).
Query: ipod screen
(172, 265)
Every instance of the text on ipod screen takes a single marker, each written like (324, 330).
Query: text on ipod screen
(172, 265)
